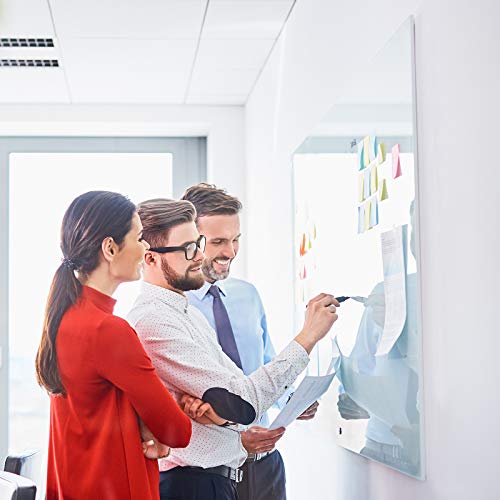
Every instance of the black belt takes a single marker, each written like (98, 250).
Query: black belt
(254, 457)
(235, 475)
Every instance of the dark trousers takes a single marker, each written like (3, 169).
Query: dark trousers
(183, 483)
(264, 479)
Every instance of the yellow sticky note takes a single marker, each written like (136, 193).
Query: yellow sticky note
(366, 150)
(383, 194)
(361, 188)
(367, 214)
(381, 153)
(373, 180)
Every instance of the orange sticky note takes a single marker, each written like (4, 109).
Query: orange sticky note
(396, 162)
(302, 250)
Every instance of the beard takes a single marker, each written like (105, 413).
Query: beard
(184, 283)
(209, 271)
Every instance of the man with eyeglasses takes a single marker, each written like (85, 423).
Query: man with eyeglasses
(185, 352)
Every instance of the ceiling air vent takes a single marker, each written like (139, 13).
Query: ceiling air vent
(26, 42)
(29, 63)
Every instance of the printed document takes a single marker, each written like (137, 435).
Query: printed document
(309, 391)
(394, 264)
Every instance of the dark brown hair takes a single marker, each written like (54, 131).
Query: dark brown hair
(210, 200)
(160, 215)
(91, 218)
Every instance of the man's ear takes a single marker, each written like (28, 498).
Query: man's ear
(109, 249)
(150, 259)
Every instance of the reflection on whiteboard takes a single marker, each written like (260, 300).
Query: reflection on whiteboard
(377, 381)
(394, 265)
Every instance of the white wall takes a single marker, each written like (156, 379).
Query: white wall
(222, 125)
(458, 74)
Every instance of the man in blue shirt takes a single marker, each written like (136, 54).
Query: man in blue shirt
(246, 340)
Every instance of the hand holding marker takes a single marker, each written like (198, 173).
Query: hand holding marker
(357, 298)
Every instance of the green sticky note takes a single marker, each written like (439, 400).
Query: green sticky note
(383, 194)
(381, 153)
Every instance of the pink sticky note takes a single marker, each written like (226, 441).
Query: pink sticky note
(396, 163)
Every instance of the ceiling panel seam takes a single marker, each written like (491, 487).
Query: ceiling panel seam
(61, 57)
(271, 51)
(196, 53)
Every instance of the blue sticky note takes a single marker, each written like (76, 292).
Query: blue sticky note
(366, 184)
(360, 156)
(361, 219)
(373, 147)
(374, 212)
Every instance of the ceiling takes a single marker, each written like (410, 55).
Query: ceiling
(138, 51)
(379, 97)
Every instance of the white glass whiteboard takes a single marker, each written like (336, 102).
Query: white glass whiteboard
(356, 234)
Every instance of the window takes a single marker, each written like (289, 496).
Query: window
(41, 186)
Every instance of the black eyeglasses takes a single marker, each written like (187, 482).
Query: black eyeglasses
(189, 249)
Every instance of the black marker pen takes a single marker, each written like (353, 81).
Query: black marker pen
(342, 298)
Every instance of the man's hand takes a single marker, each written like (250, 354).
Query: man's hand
(200, 411)
(151, 447)
(259, 439)
(321, 313)
(349, 409)
(310, 412)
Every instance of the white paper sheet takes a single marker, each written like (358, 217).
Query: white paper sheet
(394, 264)
(309, 391)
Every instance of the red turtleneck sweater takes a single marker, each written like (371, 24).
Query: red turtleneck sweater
(95, 449)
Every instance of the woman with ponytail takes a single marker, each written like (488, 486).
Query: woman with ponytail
(100, 380)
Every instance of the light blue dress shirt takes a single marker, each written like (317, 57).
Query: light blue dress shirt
(248, 321)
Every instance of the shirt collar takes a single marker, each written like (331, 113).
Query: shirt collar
(169, 297)
(202, 292)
